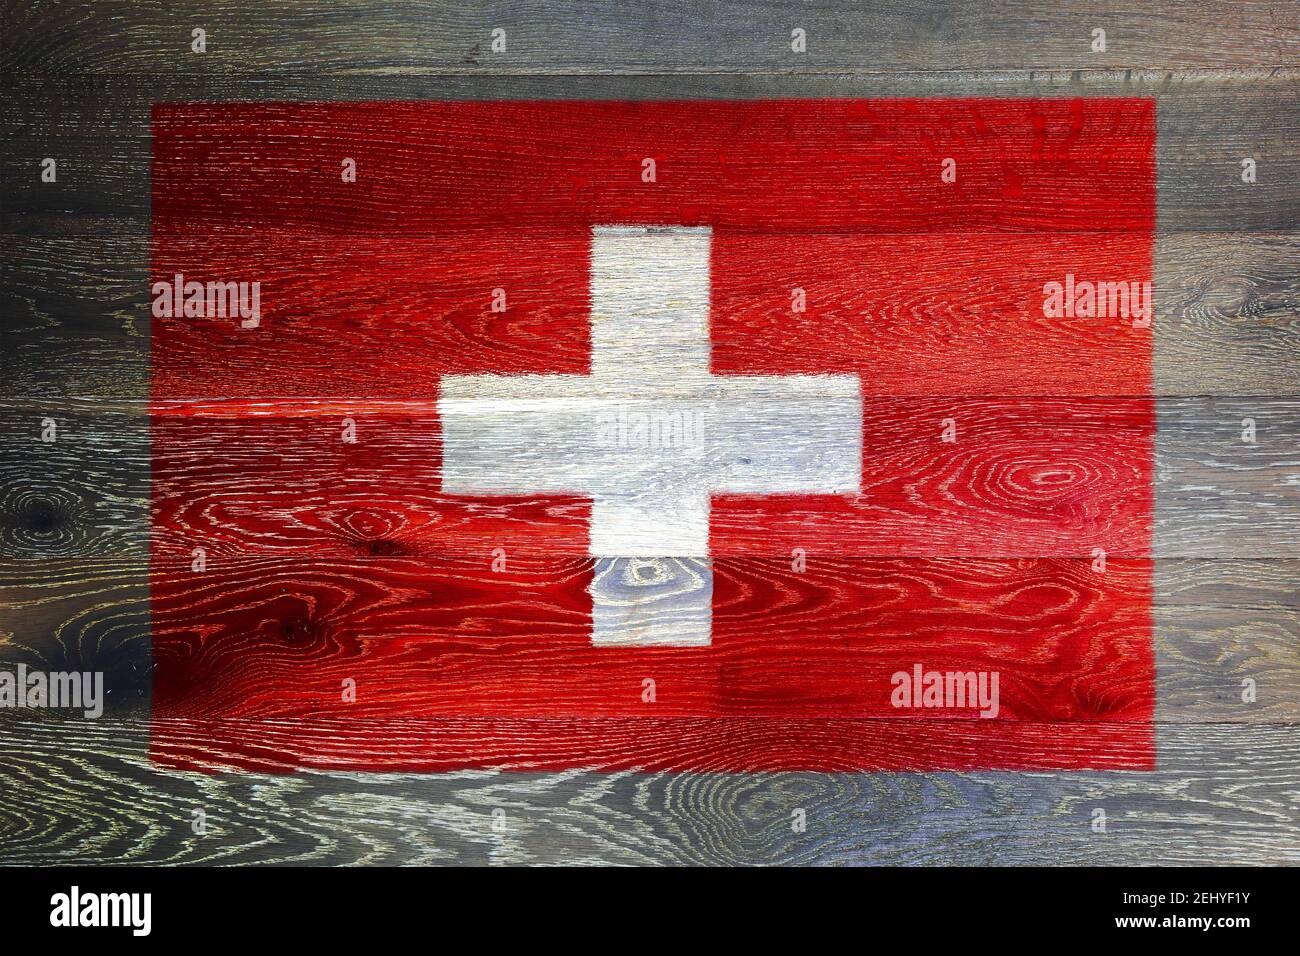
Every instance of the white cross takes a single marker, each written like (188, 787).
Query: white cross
(650, 435)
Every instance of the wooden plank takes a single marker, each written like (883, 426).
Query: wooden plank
(1207, 123)
(332, 37)
(83, 491)
(1263, 584)
(75, 314)
(1227, 316)
(499, 665)
(1029, 166)
(1025, 477)
(1205, 655)
(1216, 622)
(1217, 495)
(81, 615)
(88, 794)
(1200, 444)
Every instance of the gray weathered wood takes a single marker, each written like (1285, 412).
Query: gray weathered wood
(84, 492)
(1227, 316)
(550, 36)
(1203, 468)
(84, 792)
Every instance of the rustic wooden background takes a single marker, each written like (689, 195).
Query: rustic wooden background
(76, 83)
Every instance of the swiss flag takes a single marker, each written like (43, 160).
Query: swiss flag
(698, 435)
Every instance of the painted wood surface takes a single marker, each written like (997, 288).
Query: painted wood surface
(1207, 122)
(87, 494)
(74, 581)
(76, 313)
(1217, 622)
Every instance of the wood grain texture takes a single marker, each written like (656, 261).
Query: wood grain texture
(546, 36)
(499, 668)
(79, 79)
(75, 315)
(81, 493)
(99, 131)
(1226, 319)
(78, 615)
(1217, 496)
(1034, 166)
(1026, 477)
(1216, 622)
(84, 792)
